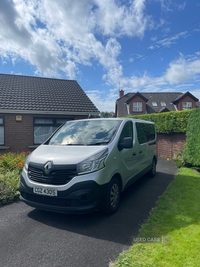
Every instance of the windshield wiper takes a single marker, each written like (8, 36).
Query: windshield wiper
(74, 144)
(98, 143)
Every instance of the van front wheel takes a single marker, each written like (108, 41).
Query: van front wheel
(113, 197)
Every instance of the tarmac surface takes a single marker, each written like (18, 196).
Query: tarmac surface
(29, 237)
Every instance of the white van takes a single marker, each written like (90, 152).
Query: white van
(86, 164)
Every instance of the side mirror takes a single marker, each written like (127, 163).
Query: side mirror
(127, 142)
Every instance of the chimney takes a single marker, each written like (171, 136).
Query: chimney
(121, 93)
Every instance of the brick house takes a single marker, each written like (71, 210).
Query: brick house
(145, 103)
(31, 108)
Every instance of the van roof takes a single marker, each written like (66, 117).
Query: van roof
(118, 119)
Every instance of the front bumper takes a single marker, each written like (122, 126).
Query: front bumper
(81, 197)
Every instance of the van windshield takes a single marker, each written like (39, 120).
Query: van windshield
(86, 132)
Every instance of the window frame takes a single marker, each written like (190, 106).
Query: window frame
(137, 106)
(163, 104)
(3, 126)
(146, 135)
(154, 104)
(55, 124)
(124, 132)
(185, 105)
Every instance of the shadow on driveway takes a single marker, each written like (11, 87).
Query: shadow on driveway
(136, 203)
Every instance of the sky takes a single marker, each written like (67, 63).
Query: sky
(105, 45)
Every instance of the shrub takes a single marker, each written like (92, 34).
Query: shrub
(167, 122)
(180, 160)
(192, 146)
(11, 165)
(12, 161)
(9, 186)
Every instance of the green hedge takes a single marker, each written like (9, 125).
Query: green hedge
(192, 147)
(167, 122)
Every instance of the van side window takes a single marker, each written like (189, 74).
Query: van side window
(127, 131)
(145, 132)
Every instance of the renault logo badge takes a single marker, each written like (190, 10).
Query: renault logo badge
(48, 167)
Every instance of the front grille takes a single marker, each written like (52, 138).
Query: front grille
(58, 175)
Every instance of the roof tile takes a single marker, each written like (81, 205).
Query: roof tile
(43, 94)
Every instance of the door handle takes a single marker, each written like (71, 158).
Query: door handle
(140, 151)
(134, 154)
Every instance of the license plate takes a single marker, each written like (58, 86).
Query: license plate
(45, 191)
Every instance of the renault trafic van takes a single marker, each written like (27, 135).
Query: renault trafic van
(86, 164)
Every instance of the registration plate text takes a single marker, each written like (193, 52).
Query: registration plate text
(45, 191)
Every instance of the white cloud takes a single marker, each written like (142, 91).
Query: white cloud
(171, 6)
(59, 35)
(182, 70)
(172, 40)
(104, 102)
(166, 5)
(181, 6)
(127, 20)
(179, 75)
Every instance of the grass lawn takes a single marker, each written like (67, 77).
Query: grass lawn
(171, 235)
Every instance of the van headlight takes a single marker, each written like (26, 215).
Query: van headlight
(27, 163)
(93, 163)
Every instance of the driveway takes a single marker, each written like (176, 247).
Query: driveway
(29, 237)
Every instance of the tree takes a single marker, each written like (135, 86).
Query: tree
(106, 114)
(192, 146)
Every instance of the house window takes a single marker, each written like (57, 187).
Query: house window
(154, 104)
(137, 106)
(44, 127)
(163, 104)
(187, 105)
(1, 131)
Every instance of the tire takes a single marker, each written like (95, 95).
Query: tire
(152, 172)
(112, 197)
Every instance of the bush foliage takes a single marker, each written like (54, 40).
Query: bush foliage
(11, 165)
(9, 186)
(180, 160)
(192, 147)
(167, 122)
